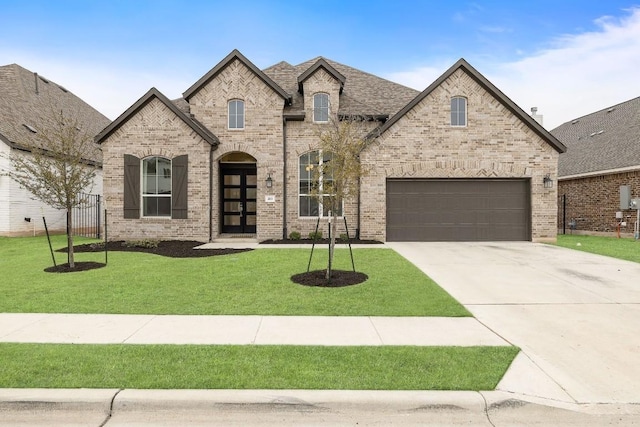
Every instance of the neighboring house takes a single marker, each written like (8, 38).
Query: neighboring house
(603, 153)
(26, 103)
(458, 161)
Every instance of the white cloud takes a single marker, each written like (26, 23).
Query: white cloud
(580, 74)
(577, 75)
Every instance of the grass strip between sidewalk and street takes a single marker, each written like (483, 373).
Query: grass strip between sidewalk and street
(248, 283)
(624, 248)
(252, 367)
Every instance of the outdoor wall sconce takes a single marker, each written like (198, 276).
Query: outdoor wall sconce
(547, 181)
(269, 181)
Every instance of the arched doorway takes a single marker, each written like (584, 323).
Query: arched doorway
(238, 193)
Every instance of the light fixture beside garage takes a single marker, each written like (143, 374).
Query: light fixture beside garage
(547, 181)
(269, 181)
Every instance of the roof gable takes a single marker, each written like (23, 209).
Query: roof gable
(364, 94)
(235, 54)
(463, 65)
(152, 94)
(320, 64)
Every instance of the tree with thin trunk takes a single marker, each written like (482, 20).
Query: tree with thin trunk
(54, 167)
(336, 178)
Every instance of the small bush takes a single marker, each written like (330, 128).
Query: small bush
(344, 237)
(294, 235)
(146, 243)
(315, 235)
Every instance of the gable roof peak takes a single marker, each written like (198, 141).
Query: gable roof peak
(321, 63)
(151, 94)
(491, 89)
(233, 55)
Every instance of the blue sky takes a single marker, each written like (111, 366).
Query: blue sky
(568, 58)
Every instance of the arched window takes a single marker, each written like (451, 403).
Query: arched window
(316, 184)
(458, 111)
(321, 107)
(236, 114)
(156, 186)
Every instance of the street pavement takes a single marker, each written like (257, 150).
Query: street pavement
(574, 315)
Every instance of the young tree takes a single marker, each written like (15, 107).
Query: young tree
(337, 175)
(56, 169)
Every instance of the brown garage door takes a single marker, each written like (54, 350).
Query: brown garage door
(462, 210)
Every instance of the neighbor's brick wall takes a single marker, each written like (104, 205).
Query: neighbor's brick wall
(593, 201)
(261, 138)
(157, 131)
(495, 143)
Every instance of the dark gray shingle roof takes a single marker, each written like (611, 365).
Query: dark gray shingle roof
(608, 139)
(22, 106)
(363, 93)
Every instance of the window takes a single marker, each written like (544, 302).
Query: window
(321, 107)
(458, 111)
(312, 165)
(236, 114)
(156, 187)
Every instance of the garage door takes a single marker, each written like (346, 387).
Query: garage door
(463, 210)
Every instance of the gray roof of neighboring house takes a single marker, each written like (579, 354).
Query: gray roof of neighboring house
(606, 140)
(30, 100)
(362, 93)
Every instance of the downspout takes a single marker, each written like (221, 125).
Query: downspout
(284, 178)
(211, 193)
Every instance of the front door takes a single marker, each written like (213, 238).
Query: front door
(238, 185)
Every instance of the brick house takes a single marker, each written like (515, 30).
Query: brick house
(603, 153)
(26, 103)
(458, 161)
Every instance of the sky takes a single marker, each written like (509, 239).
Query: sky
(568, 58)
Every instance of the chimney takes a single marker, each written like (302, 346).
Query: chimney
(535, 116)
(35, 76)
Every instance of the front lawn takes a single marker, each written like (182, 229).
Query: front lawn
(627, 248)
(252, 367)
(255, 282)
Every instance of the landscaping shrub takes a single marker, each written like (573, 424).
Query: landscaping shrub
(294, 235)
(315, 235)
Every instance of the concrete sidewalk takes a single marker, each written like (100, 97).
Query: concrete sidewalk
(244, 330)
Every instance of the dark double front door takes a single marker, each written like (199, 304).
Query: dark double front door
(238, 192)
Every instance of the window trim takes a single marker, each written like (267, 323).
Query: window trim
(457, 112)
(142, 188)
(315, 109)
(235, 101)
(300, 195)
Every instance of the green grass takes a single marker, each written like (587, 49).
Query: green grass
(627, 249)
(256, 282)
(252, 367)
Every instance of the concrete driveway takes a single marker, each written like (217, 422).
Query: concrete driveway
(576, 316)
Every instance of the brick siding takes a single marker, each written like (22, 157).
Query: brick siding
(592, 202)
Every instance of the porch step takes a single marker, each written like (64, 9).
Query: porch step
(236, 238)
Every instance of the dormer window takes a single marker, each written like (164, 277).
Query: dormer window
(458, 111)
(321, 107)
(236, 114)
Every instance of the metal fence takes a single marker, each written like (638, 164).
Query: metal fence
(87, 221)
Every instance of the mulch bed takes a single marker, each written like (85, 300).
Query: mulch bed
(318, 242)
(168, 248)
(78, 266)
(339, 278)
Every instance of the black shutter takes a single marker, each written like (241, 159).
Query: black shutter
(131, 186)
(179, 187)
